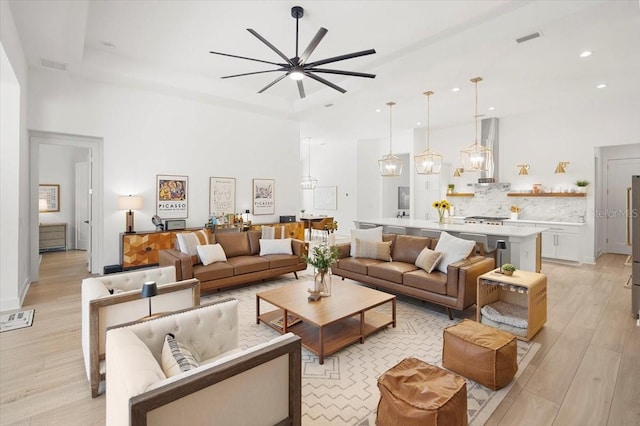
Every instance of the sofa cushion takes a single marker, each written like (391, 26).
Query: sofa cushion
(281, 260)
(428, 259)
(270, 246)
(435, 281)
(176, 358)
(254, 241)
(453, 250)
(407, 248)
(246, 264)
(373, 234)
(211, 253)
(373, 250)
(357, 265)
(234, 243)
(391, 271)
(214, 271)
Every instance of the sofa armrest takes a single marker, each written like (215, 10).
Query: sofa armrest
(462, 279)
(252, 376)
(344, 250)
(300, 248)
(181, 261)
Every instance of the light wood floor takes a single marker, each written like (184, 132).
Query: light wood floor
(586, 373)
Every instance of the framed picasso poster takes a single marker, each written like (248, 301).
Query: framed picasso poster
(172, 197)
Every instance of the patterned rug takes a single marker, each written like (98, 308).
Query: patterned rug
(344, 389)
(16, 320)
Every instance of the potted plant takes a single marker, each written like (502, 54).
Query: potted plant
(450, 188)
(582, 185)
(508, 269)
(321, 258)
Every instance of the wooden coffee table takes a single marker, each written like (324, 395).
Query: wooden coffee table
(331, 323)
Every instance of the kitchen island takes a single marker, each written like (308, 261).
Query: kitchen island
(523, 242)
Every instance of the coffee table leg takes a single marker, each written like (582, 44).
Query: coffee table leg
(321, 354)
(362, 327)
(257, 309)
(393, 312)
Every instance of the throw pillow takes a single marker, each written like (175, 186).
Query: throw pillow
(211, 253)
(428, 259)
(176, 358)
(268, 232)
(453, 250)
(275, 246)
(373, 234)
(187, 243)
(373, 250)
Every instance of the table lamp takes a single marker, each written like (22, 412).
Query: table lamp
(149, 289)
(500, 245)
(130, 203)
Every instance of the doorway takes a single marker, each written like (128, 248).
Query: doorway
(89, 232)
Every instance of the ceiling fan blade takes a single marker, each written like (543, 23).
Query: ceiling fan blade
(271, 46)
(351, 73)
(252, 73)
(272, 83)
(326, 82)
(301, 89)
(342, 57)
(248, 59)
(312, 46)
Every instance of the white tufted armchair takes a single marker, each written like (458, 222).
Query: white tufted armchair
(101, 309)
(260, 385)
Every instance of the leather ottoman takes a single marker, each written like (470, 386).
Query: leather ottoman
(481, 353)
(416, 393)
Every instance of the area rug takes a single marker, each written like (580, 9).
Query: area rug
(16, 320)
(344, 389)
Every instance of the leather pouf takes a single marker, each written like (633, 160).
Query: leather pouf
(416, 393)
(481, 353)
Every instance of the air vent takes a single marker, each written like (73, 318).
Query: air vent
(528, 37)
(48, 63)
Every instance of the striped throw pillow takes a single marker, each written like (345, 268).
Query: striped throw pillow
(176, 358)
(373, 249)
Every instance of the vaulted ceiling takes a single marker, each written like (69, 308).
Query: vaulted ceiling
(421, 45)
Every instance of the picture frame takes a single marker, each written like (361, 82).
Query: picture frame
(404, 198)
(172, 196)
(222, 196)
(325, 198)
(264, 196)
(49, 198)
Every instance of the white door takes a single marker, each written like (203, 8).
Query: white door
(83, 209)
(619, 174)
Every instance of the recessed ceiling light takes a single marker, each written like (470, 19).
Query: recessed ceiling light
(585, 54)
(378, 110)
(601, 86)
(107, 44)
(328, 105)
(492, 108)
(455, 89)
(418, 123)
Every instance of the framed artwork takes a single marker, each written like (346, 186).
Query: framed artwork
(264, 196)
(172, 197)
(325, 198)
(49, 198)
(404, 198)
(222, 196)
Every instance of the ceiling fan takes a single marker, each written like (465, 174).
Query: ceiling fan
(298, 67)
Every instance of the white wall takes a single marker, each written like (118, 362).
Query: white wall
(57, 166)
(148, 133)
(14, 174)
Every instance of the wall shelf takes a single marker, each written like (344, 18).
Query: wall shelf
(461, 194)
(547, 194)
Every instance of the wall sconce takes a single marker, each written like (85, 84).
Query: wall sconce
(562, 166)
(458, 172)
(130, 203)
(524, 169)
(149, 290)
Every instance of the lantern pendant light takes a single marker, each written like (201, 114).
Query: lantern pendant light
(428, 162)
(476, 158)
(390, 165)
(308, 182)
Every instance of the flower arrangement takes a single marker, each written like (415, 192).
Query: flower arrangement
(441, 206)
(515, 209)
(322, 257)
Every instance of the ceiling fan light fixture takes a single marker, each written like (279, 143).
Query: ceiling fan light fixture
(296, 75)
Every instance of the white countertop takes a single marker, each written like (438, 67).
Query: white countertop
(544, 222)
(502, 230)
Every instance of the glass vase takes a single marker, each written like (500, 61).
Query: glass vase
(441, 218)
(322, 282)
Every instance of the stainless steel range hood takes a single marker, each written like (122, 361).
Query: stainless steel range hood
(489, 137)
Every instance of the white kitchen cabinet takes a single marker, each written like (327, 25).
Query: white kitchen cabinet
(562, 241)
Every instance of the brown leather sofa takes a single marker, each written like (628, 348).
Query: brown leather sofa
(456, 289)
(244, 264)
